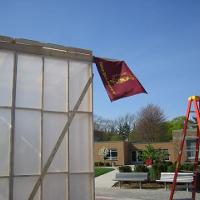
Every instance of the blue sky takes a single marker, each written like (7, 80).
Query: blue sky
(159, 39)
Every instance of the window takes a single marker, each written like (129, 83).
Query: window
(190, 149)
(112, 154)
(166, 156)
(136, 156)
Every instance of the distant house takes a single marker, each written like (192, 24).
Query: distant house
(124, 152)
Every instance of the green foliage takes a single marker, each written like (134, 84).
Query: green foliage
(107, 164)
(171, 167)
(140, 168)
(150, 125)
(124, 129)
(116, 137)
(177, 123)
(131, 137)
(148, 153)
(125, 169)
(102, 170)
(161, 155)
(167, 135)
(153, 175)
(187, 167)
(156, 155)
(98, 164)
(114, 130)
(156, 169)
(111, 137)
(107, 136)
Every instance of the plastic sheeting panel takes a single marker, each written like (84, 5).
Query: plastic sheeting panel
(55, 187)
(5, 126)
(53, 124)
(27, 151)
(23, 187)
(83, 181)
(29, 81)
(6, 77)
(79, 75)
(55, 85)
(4, 189)
(79, 144)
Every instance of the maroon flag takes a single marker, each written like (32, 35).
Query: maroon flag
(118, 79)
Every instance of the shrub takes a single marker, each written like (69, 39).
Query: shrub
(172, 167)
(140, 168)
(187, 167)
(156, 169)
(125, 169)
(107, 164)
(153, 174)
(98, 164)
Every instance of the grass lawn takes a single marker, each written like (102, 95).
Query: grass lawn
(102, 170)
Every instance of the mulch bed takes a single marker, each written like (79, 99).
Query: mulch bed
(145, 185)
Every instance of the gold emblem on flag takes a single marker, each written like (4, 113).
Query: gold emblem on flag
(120, 78)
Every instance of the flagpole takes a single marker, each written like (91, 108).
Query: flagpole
(59, 141)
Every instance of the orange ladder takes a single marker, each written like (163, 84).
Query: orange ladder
(195, 101)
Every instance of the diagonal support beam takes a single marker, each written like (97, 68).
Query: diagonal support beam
(59, 141)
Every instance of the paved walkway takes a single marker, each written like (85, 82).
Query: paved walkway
(105, 180)
(143, 194)
(105, 191)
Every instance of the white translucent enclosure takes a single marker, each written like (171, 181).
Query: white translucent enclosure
(29, 81)
(56, 84)
(4, 189)
(5, 127)
(77, 83)
(78, 142)
(53, 124)
(39, 86)
(83, 181)
(27, 151)
(23, 186)
(6, 77)
(55, 186)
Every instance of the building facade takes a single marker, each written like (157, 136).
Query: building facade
(126, 153)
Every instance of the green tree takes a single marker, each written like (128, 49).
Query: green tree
(148, 153)
(176, 124)
(116, 129)
(124, 130)
(157, 155)
(116, 137)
